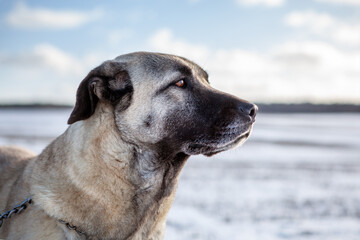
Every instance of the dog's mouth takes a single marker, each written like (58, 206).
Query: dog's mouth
(209, 148)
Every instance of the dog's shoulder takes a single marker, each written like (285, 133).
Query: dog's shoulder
(11, 156)
(13, 161)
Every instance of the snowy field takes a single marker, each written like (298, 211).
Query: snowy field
(298, 177)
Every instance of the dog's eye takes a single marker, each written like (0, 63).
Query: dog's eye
(181, 83)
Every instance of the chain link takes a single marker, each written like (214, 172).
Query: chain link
(16, 210)
(22, 206)
(71, 227)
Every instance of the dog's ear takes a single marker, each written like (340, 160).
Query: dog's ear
(109, 82)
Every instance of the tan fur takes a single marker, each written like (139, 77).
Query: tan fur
(112, 174)
(68, 182)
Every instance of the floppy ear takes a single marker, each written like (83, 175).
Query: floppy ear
(108, 82)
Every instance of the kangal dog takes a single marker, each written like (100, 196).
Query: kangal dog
(114, 172)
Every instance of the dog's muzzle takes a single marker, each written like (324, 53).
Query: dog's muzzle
(231, 128)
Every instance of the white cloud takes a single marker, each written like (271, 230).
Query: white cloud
(319, 70)
(290, 72)
(54, 58)
(316, 21)
(48, 57)
(44, 74)
(268, 3)
(342, 2)
(325, 25)
(164, 40)
(25, 17)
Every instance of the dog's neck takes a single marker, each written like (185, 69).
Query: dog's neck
(104, 186)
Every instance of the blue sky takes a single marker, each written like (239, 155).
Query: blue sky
(260, 50)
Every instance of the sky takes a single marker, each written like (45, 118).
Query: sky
(264, 51)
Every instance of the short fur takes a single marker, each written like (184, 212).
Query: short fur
(113, 173)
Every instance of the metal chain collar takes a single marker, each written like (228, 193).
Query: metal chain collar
(22, 206)
(17, 209)
(71, 227)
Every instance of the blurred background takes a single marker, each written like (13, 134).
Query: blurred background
(298, 177)
(263, 50)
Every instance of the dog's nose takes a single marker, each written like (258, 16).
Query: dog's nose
(248, 109)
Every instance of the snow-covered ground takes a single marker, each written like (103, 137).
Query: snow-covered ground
(298, 177)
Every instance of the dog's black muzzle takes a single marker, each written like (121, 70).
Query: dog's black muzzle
(221, 122)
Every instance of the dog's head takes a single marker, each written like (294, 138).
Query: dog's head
(165, 102)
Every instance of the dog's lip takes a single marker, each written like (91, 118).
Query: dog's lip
(238, 140)
(211, 149)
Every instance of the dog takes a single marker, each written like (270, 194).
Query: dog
(114, 172)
